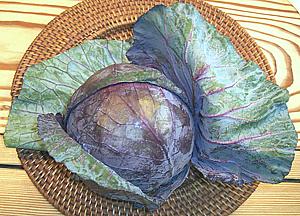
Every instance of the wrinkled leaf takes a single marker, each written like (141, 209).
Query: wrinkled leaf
(48, 87)
(243, 130)
(65, 150)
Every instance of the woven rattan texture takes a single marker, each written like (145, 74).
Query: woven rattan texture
(113, 19)
(196, 196)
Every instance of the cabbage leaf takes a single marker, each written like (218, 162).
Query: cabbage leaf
(49, 85)
(243, 129)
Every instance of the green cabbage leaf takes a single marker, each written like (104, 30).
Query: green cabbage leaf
(242, 127)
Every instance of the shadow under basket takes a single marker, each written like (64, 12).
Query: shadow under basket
(113, 19)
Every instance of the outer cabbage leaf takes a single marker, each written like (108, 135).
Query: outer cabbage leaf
(243, 129)
(66, 150)
(48, 86)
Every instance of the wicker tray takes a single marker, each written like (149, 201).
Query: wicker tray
(113, 19)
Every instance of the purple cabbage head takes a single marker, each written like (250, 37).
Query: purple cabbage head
(142, 131)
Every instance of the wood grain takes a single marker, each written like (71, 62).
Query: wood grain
(280, 199)
(274, 24)
(295, 170)
(8, 155)
(20, 197)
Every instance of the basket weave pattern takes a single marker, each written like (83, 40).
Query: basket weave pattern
(113, 19)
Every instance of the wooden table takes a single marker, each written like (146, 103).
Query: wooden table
(275, 25)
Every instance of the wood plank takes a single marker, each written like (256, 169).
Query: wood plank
(255, 6)
(295, 170)
(296, 4)
(8, 155)
(20, 197)
(13, 52)
(6, 79)
(5, 98)
(280, 199)
(32, 7)
(46, 3)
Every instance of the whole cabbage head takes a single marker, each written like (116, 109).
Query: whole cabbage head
(142, 131)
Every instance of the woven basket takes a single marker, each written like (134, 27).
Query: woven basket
(113, 19)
